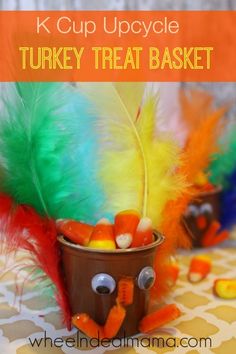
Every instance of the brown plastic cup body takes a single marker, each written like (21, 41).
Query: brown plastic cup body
(81, 264)
(212, 198)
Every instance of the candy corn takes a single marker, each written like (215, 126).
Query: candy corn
(172, 272)
(159, 318)
(124, 241)
(102, 236)
(144, 233)
(125, 291)
(201, 179)
(126, 223)
(199, 268)
(208, 187)
(87, 325)
(76, 231)
(225, 288)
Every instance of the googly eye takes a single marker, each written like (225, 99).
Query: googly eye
(103, 284)
(146, 278)
(192, 210)
(206, 208)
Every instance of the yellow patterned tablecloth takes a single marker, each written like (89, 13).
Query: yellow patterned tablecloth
(203, 315)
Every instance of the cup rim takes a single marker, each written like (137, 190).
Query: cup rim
(159, 240)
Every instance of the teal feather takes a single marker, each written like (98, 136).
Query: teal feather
(48, 151)
(223, 164)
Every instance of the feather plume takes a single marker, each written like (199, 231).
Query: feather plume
(137, 167)
(222, 172)
(21, 228)
(223, 164)
(228, 202)
(202, 143)
(196, 105)
(168, 111)
(48, 151)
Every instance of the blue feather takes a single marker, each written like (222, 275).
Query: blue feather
(228, 202)
(83, 153)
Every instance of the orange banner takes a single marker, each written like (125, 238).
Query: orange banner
(117, 46)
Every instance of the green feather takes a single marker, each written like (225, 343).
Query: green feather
(224, 163)
(37, 133)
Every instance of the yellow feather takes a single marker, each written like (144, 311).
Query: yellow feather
(138, 168)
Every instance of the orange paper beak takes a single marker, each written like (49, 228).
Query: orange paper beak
(125, 291)
(201, 222)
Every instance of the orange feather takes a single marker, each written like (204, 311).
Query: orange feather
(200, 145)
(195, 106)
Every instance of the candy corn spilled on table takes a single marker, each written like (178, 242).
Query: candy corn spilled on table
(203, 315)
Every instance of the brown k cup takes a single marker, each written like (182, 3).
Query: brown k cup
(92, 275)
(207, 206)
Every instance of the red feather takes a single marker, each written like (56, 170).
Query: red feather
(21, 228)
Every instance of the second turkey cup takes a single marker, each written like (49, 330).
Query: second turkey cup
(202, 216)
